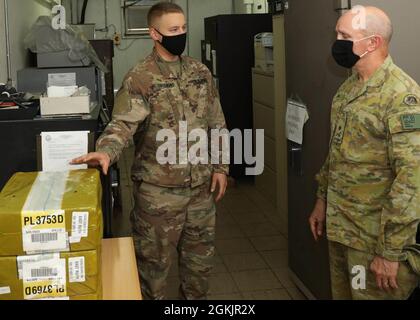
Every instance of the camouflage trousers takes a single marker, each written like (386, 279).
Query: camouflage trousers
(342, 261)
(164, 218)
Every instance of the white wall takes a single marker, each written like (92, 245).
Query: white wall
(198, 10)
(22, 14)
(139, 48)
(405, 45)
(124, 59)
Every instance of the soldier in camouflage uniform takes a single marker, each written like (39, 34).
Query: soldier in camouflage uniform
(174, 205)
(369, 185)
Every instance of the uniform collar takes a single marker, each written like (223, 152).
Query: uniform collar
(357, 89)
(164, 68)
(378, 78)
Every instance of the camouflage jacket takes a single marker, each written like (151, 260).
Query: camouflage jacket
(153, 98)
(371, 178)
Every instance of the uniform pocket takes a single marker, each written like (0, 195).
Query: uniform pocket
(198, 94)
(163, 115)
(363, 139)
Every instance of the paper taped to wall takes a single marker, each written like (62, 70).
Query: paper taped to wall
(296, 117)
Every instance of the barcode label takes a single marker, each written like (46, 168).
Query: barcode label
(33, 259)
(47, 240)
(44, 237)
(77, 269)
(44, 272)
(80, 224)
(44, 231)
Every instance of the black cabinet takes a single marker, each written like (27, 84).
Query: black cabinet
(105, 51)
(228, 51)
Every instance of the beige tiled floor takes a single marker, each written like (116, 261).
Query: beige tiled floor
(251, 245)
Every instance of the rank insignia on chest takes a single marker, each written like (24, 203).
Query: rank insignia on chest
(410, 121)
(339, 131)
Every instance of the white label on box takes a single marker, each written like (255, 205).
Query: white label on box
(67, 249)
(35, 258)
(77, 269)
(44, 279)
(79, 225)
(5, 290)
(46, 270)
(46, 240)
(62, 79)
(75, 239)
(43, 230)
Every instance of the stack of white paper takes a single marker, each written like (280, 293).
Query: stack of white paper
(60, 92)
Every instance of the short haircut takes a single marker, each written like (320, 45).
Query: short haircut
(160, 9)
(378, 25)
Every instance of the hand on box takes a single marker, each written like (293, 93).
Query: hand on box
(94, 159)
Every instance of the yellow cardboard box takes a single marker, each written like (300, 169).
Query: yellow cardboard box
(51, 212)
(83, 277)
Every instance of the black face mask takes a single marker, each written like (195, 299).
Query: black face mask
(343, 54)
(174, 44)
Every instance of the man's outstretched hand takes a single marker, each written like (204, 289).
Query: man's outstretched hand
(94, 159)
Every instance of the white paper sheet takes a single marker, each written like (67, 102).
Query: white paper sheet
(59, 148)
(296, 117)
(59, 92)
(208, 52)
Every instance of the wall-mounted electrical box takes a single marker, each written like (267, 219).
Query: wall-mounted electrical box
(250, 6)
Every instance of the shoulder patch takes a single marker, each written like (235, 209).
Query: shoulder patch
(410, 121)
(411, 100)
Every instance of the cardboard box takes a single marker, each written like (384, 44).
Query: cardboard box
(51, 212)
(65, 105)
(83, 278)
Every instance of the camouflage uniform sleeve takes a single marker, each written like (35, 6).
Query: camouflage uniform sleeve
(130, 110)
(322, 178)
(217, 120)
(401, 212)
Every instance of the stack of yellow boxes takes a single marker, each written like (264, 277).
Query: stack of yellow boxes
(50, 236)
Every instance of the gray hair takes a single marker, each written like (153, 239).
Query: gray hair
(379, 25)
